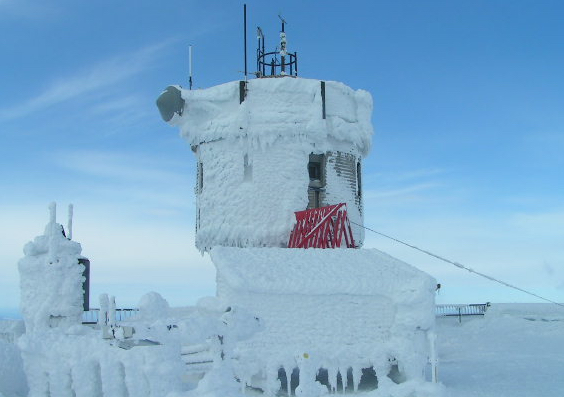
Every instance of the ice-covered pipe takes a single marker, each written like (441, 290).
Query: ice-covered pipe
(112, 311)
(432, 338)
(103, 316)
(51, 232)
(69, 223)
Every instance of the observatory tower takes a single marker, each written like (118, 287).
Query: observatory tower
(338, 319)
(270, 146)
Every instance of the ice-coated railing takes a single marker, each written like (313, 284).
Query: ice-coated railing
(91, 316)
(459, 310)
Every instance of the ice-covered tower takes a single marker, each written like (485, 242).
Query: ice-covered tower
(270, 146)
(54, 278)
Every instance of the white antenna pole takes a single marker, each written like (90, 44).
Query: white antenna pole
(52, 250)
(190, 64)
(53, 212)
(69, 224)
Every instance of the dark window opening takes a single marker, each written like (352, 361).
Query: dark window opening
(358, 180)
(200, 177)
(315, 167)
(314, 170)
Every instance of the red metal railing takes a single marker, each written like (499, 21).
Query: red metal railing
(324, 227)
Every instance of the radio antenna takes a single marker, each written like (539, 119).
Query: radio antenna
(245, 36)
(190, 65)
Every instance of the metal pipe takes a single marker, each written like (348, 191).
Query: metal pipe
(69, 223)
(190, 65)
(245, 36)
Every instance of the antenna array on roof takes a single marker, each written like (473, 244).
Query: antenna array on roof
(276, 63)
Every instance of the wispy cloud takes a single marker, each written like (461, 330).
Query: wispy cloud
(88, 81)
(401, 184)
(121, 166)
(28, 9)
(407, 175)
(398, 192)
(147, 181)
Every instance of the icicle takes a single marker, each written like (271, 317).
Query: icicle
(344, 378)
(288, 379)
(356, 375)
(243, 385)
(69, 224)
(332, 378)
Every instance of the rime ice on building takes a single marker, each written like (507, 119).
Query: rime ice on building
(269, 147)
(54, 278)
(285, 321)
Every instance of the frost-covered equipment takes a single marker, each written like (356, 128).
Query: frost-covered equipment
(53, 279)
(325, 227)
(276, 63)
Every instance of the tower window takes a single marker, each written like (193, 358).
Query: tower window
(314, 170)
(316, 189)
(200, 177)
(358, 180)
(315, 167)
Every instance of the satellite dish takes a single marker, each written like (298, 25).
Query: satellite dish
(170, 102)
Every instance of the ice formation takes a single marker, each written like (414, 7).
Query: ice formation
(253, 156)
(355, 314)
(51, 279)
(284, 321)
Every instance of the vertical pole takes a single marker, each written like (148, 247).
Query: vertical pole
(323, 99)
(432, 338)
(52, 252)
(69, 223)
(245, 36)
(52, 212)
(190, 65)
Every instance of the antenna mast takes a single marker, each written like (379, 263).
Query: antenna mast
(245, 36)
(283, 51)
(190, 65)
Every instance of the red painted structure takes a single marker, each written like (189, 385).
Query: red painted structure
(324, 227)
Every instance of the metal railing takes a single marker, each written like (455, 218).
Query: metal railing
(91, 316)
(473, 309)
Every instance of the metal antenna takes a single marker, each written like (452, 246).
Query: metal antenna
(190, 65)
(283, 52)
(245, 36)
(282, 20)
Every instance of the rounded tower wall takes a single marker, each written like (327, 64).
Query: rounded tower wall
(269, 147)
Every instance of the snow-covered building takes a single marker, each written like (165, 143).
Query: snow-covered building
(269, 147)
(285, 321)
(360, 317)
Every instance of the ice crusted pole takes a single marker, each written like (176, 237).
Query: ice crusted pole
(69, 223)
(51, 232)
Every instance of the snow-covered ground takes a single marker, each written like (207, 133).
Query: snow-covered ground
(515, 350)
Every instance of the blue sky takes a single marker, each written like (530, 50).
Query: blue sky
(466, 162)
